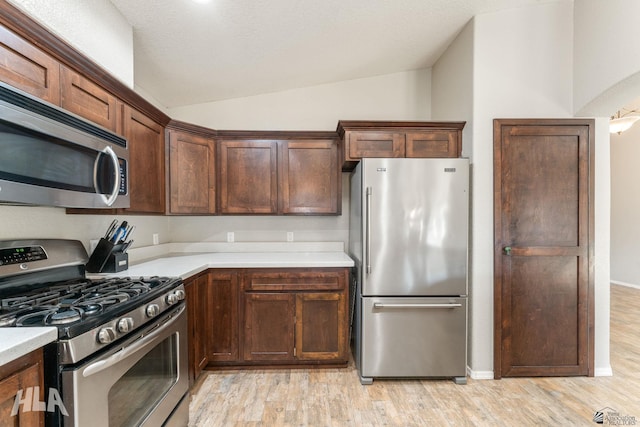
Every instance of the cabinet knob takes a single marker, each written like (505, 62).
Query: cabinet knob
(507, 250)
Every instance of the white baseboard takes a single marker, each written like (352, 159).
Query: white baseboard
(488, 375)
(603, 372)
(479, 375)
(629, 285)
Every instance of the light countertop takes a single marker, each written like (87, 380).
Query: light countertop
(16, 342)
(185, 265)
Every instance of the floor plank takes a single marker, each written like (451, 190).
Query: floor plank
(335, 397)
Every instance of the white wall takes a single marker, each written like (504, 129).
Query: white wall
(625, 207)
(606, 56)
(94, 27)
(23, 222)
(398, 96)
(522, 67)
(266, 228)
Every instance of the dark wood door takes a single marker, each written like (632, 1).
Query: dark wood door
(375, 144)
(223, 316)
(85, 98)
(192, 178)
(309, 177)
(146, 162)
(248, 177)
(321, 330)
(21, 374)
(269, 326)
(543, 247)
(198, 298)
(433, 143)
(28, 68)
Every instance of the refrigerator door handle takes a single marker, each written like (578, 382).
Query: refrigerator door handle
(383, 305)
(368, 233)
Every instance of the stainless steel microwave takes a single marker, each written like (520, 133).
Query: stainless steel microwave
(51, 157)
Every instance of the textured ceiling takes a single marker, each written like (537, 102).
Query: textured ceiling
(188, 53)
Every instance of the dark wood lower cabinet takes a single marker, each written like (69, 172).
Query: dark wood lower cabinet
(268, 317)
(198, 298)
(269, 324)
(21, 374)
(223, 316)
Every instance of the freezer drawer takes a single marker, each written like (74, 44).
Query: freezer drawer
(413, 337)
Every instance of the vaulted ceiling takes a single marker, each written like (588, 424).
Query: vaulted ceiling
(187, 53)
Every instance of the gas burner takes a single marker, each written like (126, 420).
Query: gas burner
(91, 309)
(63, 317)
(7, 320)
(34, 316)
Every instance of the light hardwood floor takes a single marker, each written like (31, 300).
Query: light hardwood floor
(334, 397)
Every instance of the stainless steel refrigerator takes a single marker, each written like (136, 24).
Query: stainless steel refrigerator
(409, 237)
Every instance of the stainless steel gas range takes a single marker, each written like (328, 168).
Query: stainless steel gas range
(121, 355)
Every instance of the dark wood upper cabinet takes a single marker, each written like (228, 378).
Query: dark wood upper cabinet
(362, 139)
(437, 143)
(279, 172)
(192, 178)
(28, 68)
(146, 162)
(86, 99)
(309, 177)
(248, 177)
(375, 144)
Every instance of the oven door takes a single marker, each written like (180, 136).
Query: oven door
(139, 383)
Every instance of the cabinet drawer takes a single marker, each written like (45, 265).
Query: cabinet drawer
(432, 144)
(293, 280)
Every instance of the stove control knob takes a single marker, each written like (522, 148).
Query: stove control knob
(152, 310)
(125, 325)
(171, 299)
(180, 294)
(106, 335)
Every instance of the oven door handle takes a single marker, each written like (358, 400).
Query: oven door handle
(138, 345)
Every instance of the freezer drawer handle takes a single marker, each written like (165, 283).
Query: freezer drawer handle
(382, 305)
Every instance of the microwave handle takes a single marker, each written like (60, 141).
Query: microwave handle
(116, 186)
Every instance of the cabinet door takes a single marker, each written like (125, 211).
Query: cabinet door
(21, 374)
(191, 174)
(28, 68)
(86, 99)
(197, 296)
(146, 162)
(248, 177)
(269, 326)
(223, 316)
(309, 177)
(436, 143)
(375, 144)
(321, 326)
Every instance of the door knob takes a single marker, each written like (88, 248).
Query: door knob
(507, 250)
